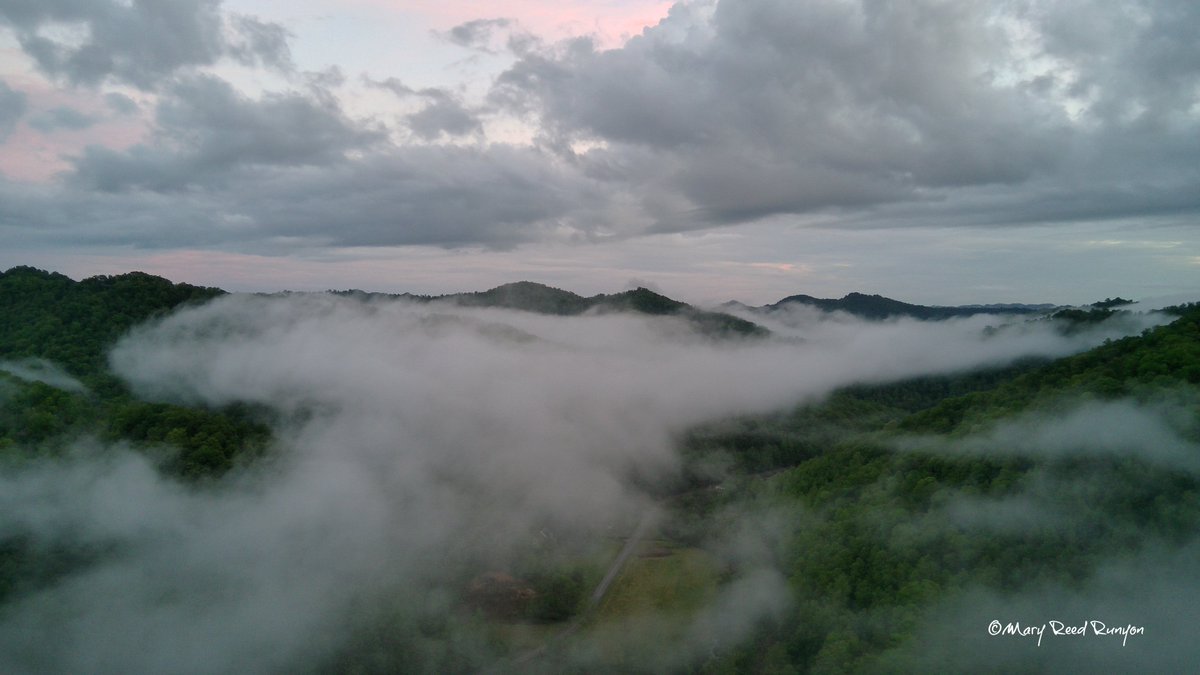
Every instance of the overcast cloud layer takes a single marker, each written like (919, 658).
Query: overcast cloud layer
(837, 114)
(413, 440)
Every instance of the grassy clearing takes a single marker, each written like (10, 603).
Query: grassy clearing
(650, 605)
(660, 587)
(673, 581)
(517, 637)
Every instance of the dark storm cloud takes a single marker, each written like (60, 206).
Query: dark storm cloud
(13, 105)
(140, 43)
(61, 117)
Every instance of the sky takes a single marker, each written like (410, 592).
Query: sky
(935, 152)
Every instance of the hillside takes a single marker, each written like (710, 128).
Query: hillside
(878, 307)
(48, 315)
(1161, 359)
(51, 322)
(523, 295)
(914, 496)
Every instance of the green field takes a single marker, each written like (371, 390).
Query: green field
(660, 579)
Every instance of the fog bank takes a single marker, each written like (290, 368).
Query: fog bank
(414, 443)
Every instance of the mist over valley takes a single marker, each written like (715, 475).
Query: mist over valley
(200, 482)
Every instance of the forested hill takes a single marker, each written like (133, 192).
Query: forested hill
(534, 297)
(48, 315)
(1141, 366)
(879, 307)
(72, 323)
(49, 321)
(911, 502)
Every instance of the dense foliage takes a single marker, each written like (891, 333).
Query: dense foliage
(51, 319)
(71, 323)
(1161, 359)
(872, 542)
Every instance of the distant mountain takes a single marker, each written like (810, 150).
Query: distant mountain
(523, 295)
(533, 297)
(878, 307)
(1109, 303)
(529, 296)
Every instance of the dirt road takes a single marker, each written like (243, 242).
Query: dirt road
(647, 522)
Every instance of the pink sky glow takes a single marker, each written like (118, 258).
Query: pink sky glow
(612, 21)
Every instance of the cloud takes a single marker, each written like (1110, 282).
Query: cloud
(40, 370)
(207, 132)
(258, 42)
(1106, 503)
(416, 444)
(444, 112)
(141, 43)
(121, 104)
(832, 114)
(13, 105)
(1154, 434)
(393, 85)
(764, 107)
(443, 115)
(477, 34)
(61, 117)
(207, 583)
(253, 190)
(1106, 497)
(890, 342)
(1153, 589)
(1117, 550)
(751, 108)
(1151, 65)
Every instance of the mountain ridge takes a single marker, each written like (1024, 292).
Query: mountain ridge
(536, 297)
(878, 307)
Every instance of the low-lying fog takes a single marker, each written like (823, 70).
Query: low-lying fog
(410, 438)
